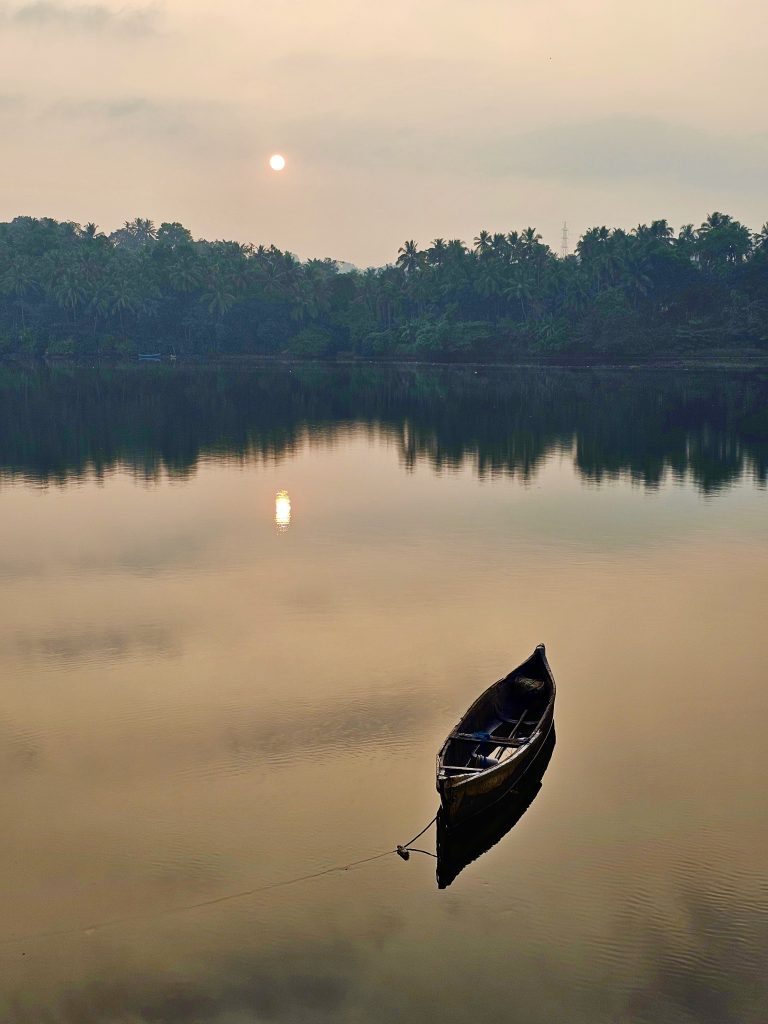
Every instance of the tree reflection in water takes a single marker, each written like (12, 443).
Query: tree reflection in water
(63, 422)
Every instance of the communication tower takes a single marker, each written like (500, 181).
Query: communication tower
(564, 241)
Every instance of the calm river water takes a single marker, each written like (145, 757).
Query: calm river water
(200, 702)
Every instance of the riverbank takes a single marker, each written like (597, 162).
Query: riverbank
(743, 359)
(748, 359)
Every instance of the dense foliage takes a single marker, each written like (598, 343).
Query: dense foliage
(67, 290)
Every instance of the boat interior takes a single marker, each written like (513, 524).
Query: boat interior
(500, 722)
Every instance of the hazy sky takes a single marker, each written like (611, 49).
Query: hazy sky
(398, 119)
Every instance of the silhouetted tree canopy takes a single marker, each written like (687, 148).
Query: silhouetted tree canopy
(68, 290)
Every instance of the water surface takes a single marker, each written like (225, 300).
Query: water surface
(201, 702)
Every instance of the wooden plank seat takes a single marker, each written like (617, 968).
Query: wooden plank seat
(480, 738)
(521, 722)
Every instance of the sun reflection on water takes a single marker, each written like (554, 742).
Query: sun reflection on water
(282, 510)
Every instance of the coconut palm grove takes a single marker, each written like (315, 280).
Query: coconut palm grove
(72, 291)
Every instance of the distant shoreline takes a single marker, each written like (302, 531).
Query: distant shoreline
(741, 360)
(747, 359)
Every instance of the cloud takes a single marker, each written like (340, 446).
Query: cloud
(83, 17)
(621, 148)
(627, 148)
(13, 107)
(201, 126)
(134, 114)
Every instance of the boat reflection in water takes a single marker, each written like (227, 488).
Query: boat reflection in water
(460, 845)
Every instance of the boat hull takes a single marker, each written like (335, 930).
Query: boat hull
(463, 795)
(461, 800)
(460, 844)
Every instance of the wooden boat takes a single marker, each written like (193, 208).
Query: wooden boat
(461, 844)
(496, 740)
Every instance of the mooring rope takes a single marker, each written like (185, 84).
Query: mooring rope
(214, 901)
(405, 850)
(151, 914)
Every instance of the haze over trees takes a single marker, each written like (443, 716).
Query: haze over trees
(68, 290)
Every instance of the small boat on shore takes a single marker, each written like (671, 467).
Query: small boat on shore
(496, 740)
(461, 844)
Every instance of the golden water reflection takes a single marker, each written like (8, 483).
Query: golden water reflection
(282, 510)
(193, 708)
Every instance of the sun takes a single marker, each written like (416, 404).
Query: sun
(277, 162)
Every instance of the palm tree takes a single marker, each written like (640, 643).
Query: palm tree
(436, 252)
(101, 301)
(500, 245)
(521, 290)
(408, 257)
(135, 234)
(490, 280)
(686, 241)
(219, 291)
(456, 248)
(483, 243)
(68, 285)
(633, 278)
(593, 252)
(18, 279)
(125, 296)
(577, 289)
(392, 293)
(660, 229)
(529, 242)
(723, 241)
(318, 276)
(144, 231)
(367, 292)
(91, 233)
(184, 274)
(513, 245)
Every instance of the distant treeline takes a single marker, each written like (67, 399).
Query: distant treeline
(59, 423)
(72, 291)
